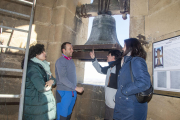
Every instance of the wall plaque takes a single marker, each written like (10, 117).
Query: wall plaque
(166, 67)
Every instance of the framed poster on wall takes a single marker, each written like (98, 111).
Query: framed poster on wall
(166, 67)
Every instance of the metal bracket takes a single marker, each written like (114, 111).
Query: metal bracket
(124, 8)
(110, 7)
(143, 41)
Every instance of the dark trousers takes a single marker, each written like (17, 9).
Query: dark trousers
(108, 113)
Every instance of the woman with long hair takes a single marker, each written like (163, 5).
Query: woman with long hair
(126, 105)
(39, 102)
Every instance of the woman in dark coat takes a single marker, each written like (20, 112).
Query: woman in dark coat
(39, 102)
(126, 105)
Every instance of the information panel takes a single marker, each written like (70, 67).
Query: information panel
(166, 67)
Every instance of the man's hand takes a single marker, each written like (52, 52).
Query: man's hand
(92, 55)
(79, 89)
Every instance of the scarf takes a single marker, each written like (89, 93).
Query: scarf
(110, 62)
(68, 58)
(44, 64)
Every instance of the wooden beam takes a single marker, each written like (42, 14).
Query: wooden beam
(103, 47)
(85, 55)
(81, 52)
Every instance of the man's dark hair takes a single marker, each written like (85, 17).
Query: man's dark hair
(115, 53)
(63, 46)
(133, 45)
(33, 51)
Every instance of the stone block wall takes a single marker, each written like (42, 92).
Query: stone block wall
(55, 22)
(90, 105)
(156, 20)
(10, 82)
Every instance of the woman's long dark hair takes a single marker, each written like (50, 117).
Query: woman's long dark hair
(33, 51)
(133, 45)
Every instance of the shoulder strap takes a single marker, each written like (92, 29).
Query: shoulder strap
(131, 72)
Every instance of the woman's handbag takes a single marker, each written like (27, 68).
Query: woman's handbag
(145, 96)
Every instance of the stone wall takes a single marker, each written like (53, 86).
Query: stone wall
(156, 20)
(55, 22)
(90, 105)
(10, 82)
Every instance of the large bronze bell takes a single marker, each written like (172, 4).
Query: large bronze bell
(103, 31)
(102, 39)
